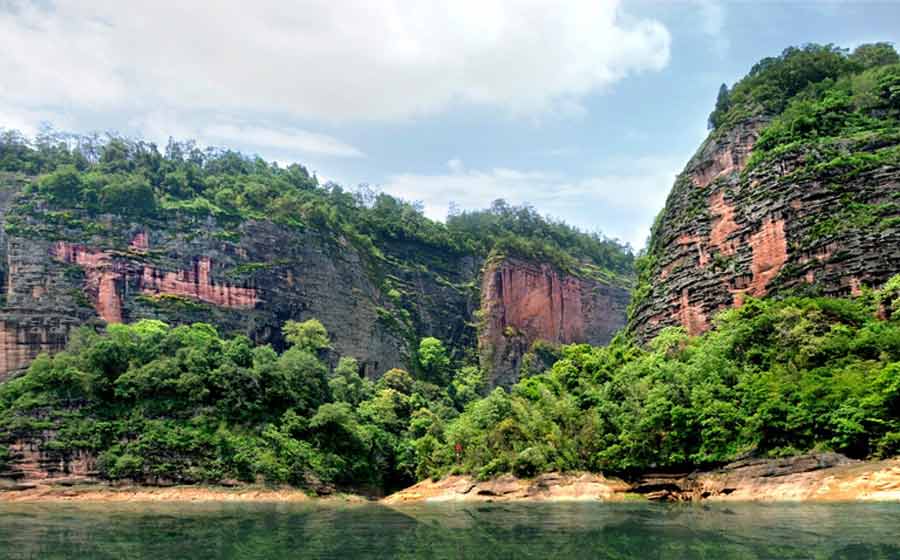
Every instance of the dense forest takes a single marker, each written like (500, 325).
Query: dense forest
(182, 404)
(775, 378)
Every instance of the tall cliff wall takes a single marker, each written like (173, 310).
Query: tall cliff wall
(62, 269)
(522, 302)
(250, 286)
(794, 223)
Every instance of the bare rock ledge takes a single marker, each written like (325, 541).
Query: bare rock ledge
(815, 477)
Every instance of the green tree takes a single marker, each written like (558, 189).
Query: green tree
(723, 104)
(397, 379)
(468, 385)
(309, 335)
(874, 54)
(434, 360)
(346, 384)
(128, 195)
(63, 186)
(304, 379)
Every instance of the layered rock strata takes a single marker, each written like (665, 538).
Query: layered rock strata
(784, 226)
(250, 277)
(523, 302)
(826, 477)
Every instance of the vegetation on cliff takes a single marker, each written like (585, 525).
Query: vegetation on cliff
(824, 116)
(116, 175)
(806, 71)
(775, 378)
(154, 404)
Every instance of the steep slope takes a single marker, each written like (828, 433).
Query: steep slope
(118, 241)
(377, 274)
(523, 302)
(250, 284)
(794, 193)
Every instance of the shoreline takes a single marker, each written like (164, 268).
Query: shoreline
(807, 478)
(50, 492)
(826, 477)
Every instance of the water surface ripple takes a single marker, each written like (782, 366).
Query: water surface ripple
(482, 531)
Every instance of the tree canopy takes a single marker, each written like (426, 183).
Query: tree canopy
(774, 81)
(112, 174)
(158, 403)
(775, 378)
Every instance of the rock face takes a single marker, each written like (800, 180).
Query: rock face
(546, 487)
(61, 270)
(727, 232)
(31, 462)
(524, 302)
(105, 274)
(815, 477)
(249, 286)
(818, 477)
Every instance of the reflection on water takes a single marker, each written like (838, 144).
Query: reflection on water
(615, 531)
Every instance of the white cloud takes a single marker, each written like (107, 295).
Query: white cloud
(712, 23)
(290, 139)
(319, 59)
(622, 204)
(28, 121)
(712, 16)
(159, 126)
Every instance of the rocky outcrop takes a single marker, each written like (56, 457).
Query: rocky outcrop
(24, 334)
(785, 226)
(30, 462)
(106, 276)
(546, 487)
(523, 302)
(815, 477)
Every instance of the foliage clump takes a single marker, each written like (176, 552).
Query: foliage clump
(156, 403)
(775, 378)
(115, 175)
(774, 81)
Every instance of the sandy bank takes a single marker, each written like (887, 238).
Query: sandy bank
(103, 493)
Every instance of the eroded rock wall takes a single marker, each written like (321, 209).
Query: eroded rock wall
(30, 461)
(522, 302)
(248, 281)
(727, 233)
(67, 269)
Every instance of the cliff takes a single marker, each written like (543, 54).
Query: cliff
(248, 280)
(62, 269)
(524, 302)
(812, 211)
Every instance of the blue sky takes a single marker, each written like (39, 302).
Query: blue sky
(586, 109)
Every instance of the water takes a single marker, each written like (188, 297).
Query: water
(515, 531)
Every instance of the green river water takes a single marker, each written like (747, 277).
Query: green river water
(478, 531)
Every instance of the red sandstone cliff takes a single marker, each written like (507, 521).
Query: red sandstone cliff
(107, 274)
(522, 302)
(251, 277)
(726, 233)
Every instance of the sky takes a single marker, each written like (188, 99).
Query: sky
(585, 109)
